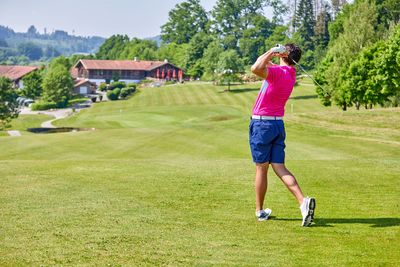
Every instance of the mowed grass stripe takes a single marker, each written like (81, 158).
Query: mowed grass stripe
(178, 95)
(204, 95)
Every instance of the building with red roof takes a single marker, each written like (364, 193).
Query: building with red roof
(99, 71)
(16, 73)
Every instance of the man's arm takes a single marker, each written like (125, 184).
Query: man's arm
(260, 67)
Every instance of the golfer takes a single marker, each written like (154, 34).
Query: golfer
(267, 130)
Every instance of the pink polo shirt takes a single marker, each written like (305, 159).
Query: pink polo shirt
(275, 91)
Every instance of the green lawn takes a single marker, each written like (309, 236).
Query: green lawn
(167, 179)
(23, 122)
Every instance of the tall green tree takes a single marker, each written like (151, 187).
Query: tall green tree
(210, 59)
(8, 103)
(231, 17)
(174, 53)
(57, 85)
(185, 21)
(32, 85)
(361, 19)
(361, 77)
(140, 49)
(197, 46)
(305, 24)
(112, 47)
(252, 44)
(388, 74)
(229, 67)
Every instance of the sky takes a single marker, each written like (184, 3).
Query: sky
(136, 18)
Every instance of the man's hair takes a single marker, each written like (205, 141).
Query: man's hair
(294, 54)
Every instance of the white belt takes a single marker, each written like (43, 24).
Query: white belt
(266, 118)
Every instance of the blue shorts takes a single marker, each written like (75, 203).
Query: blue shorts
(267, 141)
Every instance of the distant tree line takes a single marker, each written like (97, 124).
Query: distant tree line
(229, 37)
(337, 40)
(32, 46)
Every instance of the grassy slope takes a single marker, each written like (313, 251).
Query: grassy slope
(167, 179)
(23, 122)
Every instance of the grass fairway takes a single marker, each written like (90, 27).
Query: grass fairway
(167, 179)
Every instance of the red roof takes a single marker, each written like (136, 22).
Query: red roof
(15, 72)
(92, 64)
(81, 82)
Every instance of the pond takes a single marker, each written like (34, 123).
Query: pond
(44, 130)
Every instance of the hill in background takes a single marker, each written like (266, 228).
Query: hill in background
(32, 47)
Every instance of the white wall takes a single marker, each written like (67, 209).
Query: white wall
(99, 81)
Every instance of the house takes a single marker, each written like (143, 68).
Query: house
(84, 87)
(16, 73)
(99, 71)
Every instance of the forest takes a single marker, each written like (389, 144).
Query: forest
(351, 48)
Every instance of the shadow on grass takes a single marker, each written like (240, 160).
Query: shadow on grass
(304, 97)
(327, 222)
(241, 90)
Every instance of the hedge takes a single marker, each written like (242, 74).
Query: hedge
(43, 105)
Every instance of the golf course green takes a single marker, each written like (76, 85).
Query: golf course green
(167, 179)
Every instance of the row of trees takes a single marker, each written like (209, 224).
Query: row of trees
(361, 67)
(231, 36)
(24, 48)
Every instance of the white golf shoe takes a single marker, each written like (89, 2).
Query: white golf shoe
(262, 215)
(307, 211)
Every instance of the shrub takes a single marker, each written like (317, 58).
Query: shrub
(132, 85)
(114, 94)
(103, 87)
(111, 96)
(117, 91)
(131, 90)
(124, 92)
(43, 105)
(77, 101)
(119, 85)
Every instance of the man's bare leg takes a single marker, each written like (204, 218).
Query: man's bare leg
(289, 180)
(261, 184)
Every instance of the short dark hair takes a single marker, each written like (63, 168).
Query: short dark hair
(294, 54)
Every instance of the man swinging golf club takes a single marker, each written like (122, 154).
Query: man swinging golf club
(267, 130)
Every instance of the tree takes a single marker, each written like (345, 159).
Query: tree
(388, 65)
(32, 85)
(51, 52)
(252, 44)
(32, 31)
(305, 24)
(361, 77)
(337, 6)
(64, 61)
(197, 46)
(322, 37)
(231, 17)
(361, 19)
(229, 67)
(140, 49)
(57, 85)
(278, 36)
(8, 103)
(31, 50)
(185, 21)
(112, 47)
(174, 53)
(210, 59)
